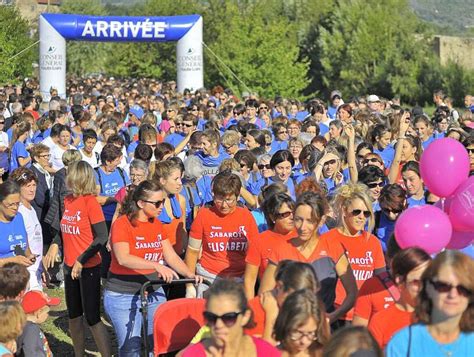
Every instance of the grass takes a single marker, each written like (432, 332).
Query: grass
(57, 333)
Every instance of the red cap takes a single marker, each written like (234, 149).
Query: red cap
(34, 300)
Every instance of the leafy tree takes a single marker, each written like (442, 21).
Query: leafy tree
(262, 52)
(85, 57)
(14, 38)
(371, 46)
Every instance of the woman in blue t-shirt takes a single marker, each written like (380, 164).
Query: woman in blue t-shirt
(19, 155)
(13, 237)
(444, 312)
(414, 184)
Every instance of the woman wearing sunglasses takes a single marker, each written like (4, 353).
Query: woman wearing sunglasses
(392, 201)
(374, 178)
(301, 326)
(408, 266)
(444, 311)
(353, 206)
(140, 249)
(326, 256)
(278, 210)
(227, 314)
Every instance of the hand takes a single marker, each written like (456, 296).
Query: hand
(22, 260)
(349, 131)
(108, 246)
(328, 157)
(269, 304)
(404, 124)
(166, 273)
(338, 178)
(197, 279)
(76, 270)
(51, 256)
(191, 292)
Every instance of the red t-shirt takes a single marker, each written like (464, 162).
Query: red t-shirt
(224, 240)
(323, 261)
(365, 255)
(258, 316)
(372, 298)
(387, 322)
(260, 249)
(144, 240)
(80, 213)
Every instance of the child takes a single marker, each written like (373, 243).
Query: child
(12, 320)
(32, 341)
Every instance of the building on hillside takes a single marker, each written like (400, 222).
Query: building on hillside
(456, 49)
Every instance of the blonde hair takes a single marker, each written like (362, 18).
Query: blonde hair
(70, 156)
(80, 179)
(229, 164)
(230, 138)
(12, 320)
(348, 193)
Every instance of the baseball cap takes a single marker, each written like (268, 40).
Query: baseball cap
(373, 98)
(34, 300)
(137, 111)
(336, 93)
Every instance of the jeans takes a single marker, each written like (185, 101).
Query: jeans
(201, 288)
(124, 313)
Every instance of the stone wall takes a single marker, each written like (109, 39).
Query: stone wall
(457, 49)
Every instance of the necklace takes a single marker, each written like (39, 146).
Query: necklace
(446, 352)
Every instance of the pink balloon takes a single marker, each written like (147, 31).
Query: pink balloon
(444, 165)
(426, 227)
(461, 211)
(444, 204)
(460, 240)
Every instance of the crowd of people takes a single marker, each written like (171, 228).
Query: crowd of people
(282, 213)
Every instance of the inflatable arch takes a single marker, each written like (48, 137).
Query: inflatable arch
(55, 29)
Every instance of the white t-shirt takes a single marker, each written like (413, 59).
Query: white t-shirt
(35, 243)
(3, 139)
(48, 142)
(57, 156)
(94, 160)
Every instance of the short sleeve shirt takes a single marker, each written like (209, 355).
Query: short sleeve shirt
(323, 260)
(372, 298)
(365, 255)
(80, 213)
(225, 240)
(144, 240)
(12, 234)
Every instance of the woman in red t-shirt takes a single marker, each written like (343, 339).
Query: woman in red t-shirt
(223, 231)
(364, 251)
(278, 210)
(140, 250)
(326, 256)
(168, 174)
(84, 233)
(408, 266)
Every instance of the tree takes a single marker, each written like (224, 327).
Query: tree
(263, 52)
(14, 38)
(83, 58)
(371, 46)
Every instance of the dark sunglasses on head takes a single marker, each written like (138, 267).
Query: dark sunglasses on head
(228, 319)
(284, 215)
(266, 166)
(156, 203)
(372, 159)
(376, 184)
(443, 287)
(357, 212)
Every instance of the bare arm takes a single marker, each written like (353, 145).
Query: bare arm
(250, 278)
(248, 197)
(268, 280)
(395, 167)
(175, 262)
(344, 271)
(351, 154)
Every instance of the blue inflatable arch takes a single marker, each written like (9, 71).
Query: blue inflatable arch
(55, 29)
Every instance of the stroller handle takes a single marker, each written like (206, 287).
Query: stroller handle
(161, 282)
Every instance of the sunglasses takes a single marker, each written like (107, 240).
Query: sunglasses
(375, 184)
(266, 166)
(179, 124)
(2, 122)
(394, 211)
(284, 215)
(228, 319)
(187, 125)
(170, 110)
(330, 162)
(443, 287)
(242, 165)
(156, 203)
(469, 150)
(357, 212)
(282, 132)
(372, 159)
(265, 108)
